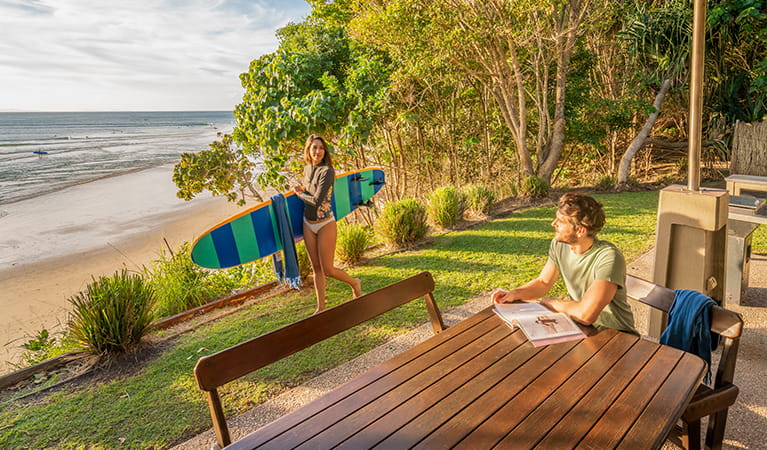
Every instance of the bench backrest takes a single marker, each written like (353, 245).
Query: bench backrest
(215, 370)
(724, 322)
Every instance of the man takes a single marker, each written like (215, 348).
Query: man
(594, 271)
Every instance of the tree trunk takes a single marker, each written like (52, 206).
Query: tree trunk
(639, 140)
(557, 139)
(749, 149)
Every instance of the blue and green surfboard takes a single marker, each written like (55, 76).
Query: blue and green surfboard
(252, 234)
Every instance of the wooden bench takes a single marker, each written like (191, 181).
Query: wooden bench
(214, 371)
(707, 401)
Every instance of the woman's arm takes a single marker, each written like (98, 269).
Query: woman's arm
(324, 183)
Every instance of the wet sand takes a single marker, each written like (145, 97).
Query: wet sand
(52, 245)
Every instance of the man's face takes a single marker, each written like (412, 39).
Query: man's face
(564, 229)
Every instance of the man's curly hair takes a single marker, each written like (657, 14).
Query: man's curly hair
(583, 211)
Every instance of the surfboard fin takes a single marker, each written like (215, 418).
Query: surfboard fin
(358, 177)
(377, 182)
(368, 203)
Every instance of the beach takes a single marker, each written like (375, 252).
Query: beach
(52, 245)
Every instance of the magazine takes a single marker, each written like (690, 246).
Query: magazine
(540, 324)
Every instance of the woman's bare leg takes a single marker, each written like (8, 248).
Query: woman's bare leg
(311, 241)
(326, 244)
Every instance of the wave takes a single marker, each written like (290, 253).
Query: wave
(83, 147)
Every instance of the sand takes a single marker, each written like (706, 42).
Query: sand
(52, 245)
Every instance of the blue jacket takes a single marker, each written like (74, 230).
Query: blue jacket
(689, 325)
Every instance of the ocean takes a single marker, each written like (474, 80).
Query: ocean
(45, 152)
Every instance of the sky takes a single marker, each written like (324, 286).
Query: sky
(134, 55)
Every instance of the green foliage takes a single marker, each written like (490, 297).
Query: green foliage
(179, 283)
(316, 81)
(605, 183)
(479, 198)
(45, 345)
(402, 222)
(534, 187)
(759, 241)
(113, 313)
(445, 206)
(353, 240)
(304, 263)
(40, 341)
(223, 169)
(223, 282)
(737, 59)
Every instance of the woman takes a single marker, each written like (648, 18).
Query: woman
(320, 230)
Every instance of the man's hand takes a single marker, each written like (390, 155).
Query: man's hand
(502, 296)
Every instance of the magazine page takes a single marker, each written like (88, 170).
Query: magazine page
(510, 312)
(549, 325)
(540, 325)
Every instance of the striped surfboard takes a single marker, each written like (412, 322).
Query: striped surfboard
(252, 234)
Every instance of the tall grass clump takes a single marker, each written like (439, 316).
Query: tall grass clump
(446, 205)
(606, 183)
(113, 313)
(479, 198)
(534, 187)
(223, 282)
(353, 240)
(180, 284)
(402, 222)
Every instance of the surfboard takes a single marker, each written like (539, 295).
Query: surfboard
(252, 234)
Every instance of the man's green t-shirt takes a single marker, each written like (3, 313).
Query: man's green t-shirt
(603, 261)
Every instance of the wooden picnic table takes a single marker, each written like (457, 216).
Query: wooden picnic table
(481, 384)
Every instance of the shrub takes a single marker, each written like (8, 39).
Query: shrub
(446, 206)
(479, 198)
(222, 282)
(113, 313)
(45, 345)
(304, 263)
(605, 183)
(353, 240)
(402, 222)
(534, 187)
(180, 284)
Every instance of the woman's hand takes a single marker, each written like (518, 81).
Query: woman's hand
(299, 189)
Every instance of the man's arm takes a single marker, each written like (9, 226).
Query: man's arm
(594, 300)
(531, 290)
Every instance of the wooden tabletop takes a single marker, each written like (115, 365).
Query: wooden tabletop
(481, 384)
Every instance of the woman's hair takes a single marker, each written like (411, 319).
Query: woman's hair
(325, 159)
(583, 211)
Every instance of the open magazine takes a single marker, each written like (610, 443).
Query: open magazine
(540, 325)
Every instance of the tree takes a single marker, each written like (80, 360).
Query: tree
(316, 82)
(658, 43)
(737, 60)
(520, 51)
(223, 169)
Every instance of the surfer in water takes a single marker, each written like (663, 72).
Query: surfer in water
(320, 231)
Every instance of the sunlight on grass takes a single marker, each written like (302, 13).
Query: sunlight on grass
(759, 240)
(501, 253)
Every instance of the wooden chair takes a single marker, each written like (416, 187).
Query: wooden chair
(707, 401)
(213, 371)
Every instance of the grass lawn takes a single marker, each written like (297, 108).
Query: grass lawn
(161, 405)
